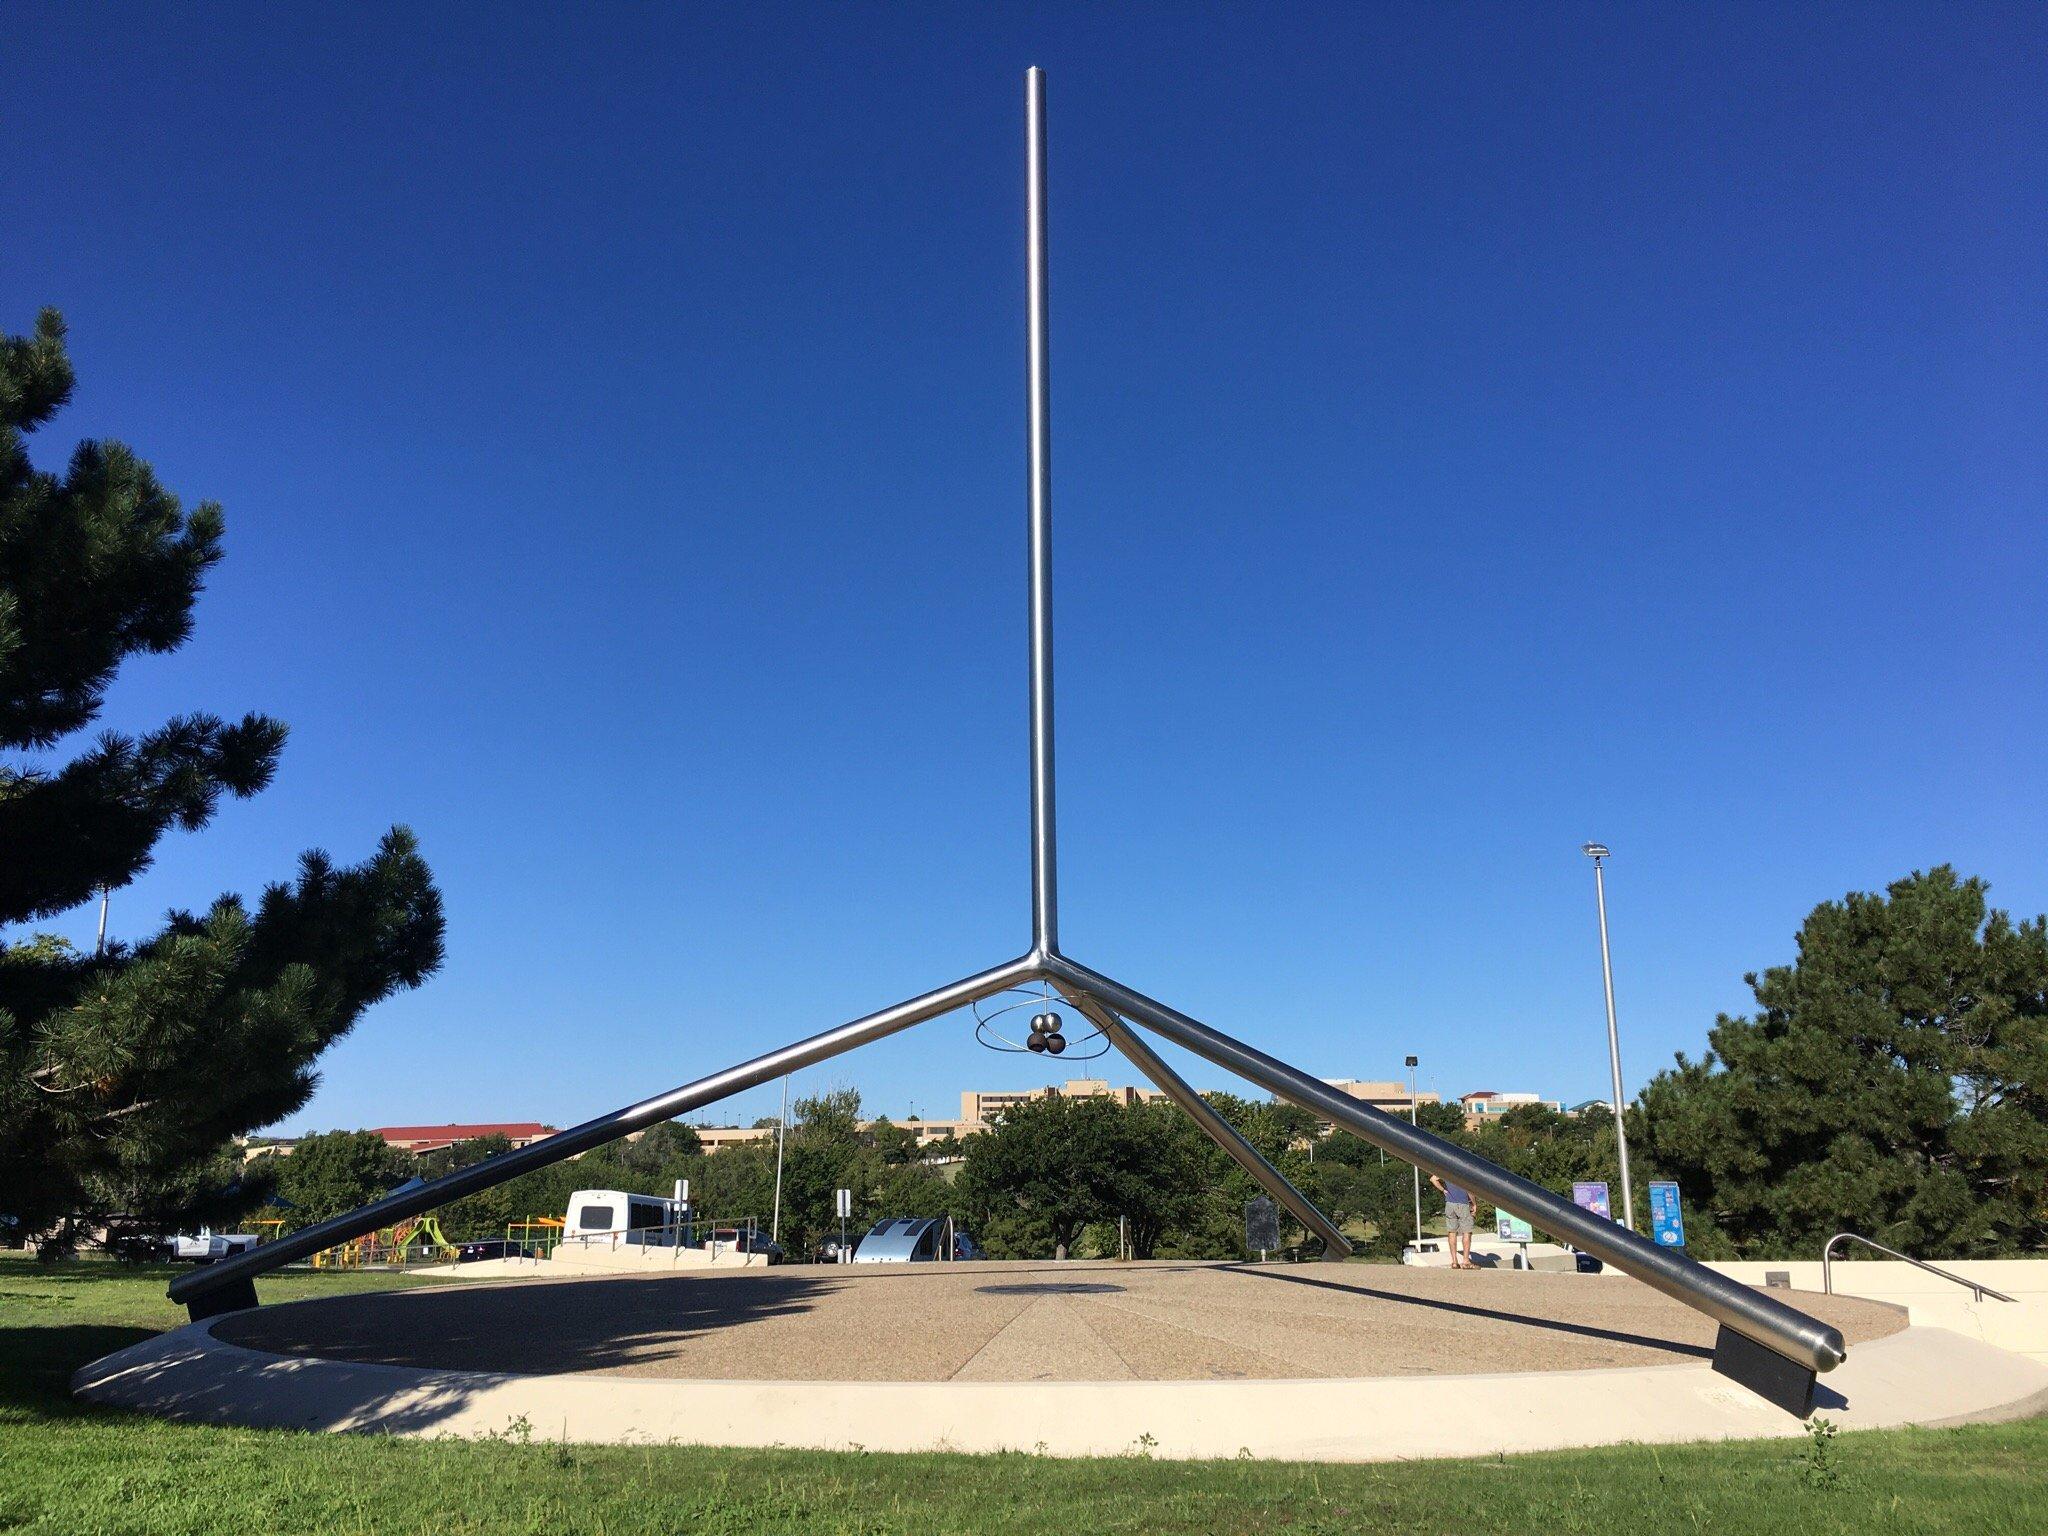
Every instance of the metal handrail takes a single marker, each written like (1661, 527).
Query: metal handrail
(690, 1232)
(1827, 1271)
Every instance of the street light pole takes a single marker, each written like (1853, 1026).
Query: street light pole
(1417, 1168)
(1598, 853)
(781, 1131)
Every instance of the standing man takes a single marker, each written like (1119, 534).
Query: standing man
(1457, 1221)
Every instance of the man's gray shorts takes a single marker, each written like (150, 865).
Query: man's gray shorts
(1457, 1218)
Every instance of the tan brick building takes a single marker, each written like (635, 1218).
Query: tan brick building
(981, 1106)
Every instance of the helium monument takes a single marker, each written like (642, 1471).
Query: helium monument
(1772, 1348)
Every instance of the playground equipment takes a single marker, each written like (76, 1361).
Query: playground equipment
(1764, 1344)
(391, 1247)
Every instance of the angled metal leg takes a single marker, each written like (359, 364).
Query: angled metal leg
(229, 1280)
(1218, 1129)
(1807, 1342)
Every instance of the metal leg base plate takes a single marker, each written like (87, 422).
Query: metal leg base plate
(236, 1296)
(1785, 1383)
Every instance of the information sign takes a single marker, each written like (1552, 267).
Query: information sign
(1667, 1223)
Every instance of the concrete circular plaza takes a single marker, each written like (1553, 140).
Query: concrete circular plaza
(1314, 1361)
(1021, 1322)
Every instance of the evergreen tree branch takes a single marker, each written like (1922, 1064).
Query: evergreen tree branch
(95, 822)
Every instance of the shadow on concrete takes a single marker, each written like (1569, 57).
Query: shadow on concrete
(404, 1361)
(1051, 1288)
(1493, 1314)
(548, 1328)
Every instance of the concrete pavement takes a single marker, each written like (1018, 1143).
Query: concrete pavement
(1024, 1322)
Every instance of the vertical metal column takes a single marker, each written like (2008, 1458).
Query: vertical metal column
(1045, 921)
(1628, 1199)
(781, 1139)
(1417, 1171)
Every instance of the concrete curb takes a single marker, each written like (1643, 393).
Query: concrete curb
(1923, 1375)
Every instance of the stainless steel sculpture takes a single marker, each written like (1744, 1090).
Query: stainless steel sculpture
(1763, 1343)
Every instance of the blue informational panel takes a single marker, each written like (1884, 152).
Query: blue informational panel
(1667, 1225)
(1593, 1197)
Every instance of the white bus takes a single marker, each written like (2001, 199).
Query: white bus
(600, 1216)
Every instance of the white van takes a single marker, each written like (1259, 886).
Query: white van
(600, 1217)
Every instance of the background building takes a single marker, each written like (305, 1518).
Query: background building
(979, 1109)
(1389, 1096)
(980, 1106)
(417, 1139)
(716, 1138)
(1488, 1105)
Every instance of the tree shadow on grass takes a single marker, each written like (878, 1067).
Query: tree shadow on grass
(84, 1272)
(36, 1363)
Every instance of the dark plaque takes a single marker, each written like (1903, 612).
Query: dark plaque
(1261, 1225)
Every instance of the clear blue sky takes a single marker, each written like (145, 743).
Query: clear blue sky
(1477, 430)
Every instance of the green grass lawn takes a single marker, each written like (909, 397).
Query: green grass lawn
(75, 1470)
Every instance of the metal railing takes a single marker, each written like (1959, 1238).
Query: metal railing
(1827, 1266)
(744, 1234)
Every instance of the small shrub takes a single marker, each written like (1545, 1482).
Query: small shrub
(1820, 1468)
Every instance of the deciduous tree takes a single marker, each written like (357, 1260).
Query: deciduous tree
(337, 1171)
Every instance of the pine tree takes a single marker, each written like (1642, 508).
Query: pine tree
(1894, 1082)
(123, 1076)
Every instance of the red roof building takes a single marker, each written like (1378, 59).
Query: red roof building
(434, 1138)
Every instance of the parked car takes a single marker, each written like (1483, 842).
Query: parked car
(742, 1240)
(138, 1247)
(831, 1251)
(494, 1248)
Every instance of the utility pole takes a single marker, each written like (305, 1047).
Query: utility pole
(781, 1133)
(106, 892)
(1599, 854)
(1417, 1169)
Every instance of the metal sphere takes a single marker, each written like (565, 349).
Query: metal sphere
(1037, 1042)
(1055, 1042)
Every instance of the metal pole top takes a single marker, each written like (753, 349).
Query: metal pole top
(1038, 381)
